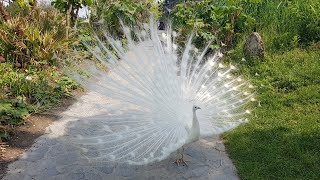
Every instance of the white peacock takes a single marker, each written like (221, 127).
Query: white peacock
(161, 90)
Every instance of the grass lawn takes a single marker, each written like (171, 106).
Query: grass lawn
(282, 139)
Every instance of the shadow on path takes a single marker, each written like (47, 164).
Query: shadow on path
(53, 157)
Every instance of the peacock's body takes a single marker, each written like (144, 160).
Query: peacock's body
(157, 87)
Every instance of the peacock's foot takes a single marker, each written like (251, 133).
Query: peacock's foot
(180, 161)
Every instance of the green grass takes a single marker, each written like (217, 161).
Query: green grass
(284, 24)
(282, 139)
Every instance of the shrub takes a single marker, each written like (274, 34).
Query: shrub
(33, 40)
(29, 91)
(32, 47)
(106, 13)
(210, 20)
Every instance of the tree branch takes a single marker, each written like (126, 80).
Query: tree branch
(68, 20)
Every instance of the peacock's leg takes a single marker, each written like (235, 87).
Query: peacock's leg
(177, 161)
(181, 160)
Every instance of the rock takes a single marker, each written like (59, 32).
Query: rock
(254, 46)
(17, 65)
(2, 59)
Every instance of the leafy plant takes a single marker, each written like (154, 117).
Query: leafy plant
(27, 42)
(29, 91)
(14, 111)
(71, 9)
(106, 14)
(32, 47)
(71, 6)
(65, 85)
(210, 21)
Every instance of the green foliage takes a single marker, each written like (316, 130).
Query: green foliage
(12, 112)
(211, 21)
(41, 88)
(33, 41)
(64, 5)
(107, 13)
(65, 85)
(71, 8)
(28, 91)
(25, 3)
(14, 9)
(31, 48)
(285, 24)
(84, 34)
(282, 139)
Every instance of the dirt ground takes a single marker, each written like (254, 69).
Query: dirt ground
(26, 134)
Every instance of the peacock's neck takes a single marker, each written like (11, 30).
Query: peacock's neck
(195, 122)
(195, 129)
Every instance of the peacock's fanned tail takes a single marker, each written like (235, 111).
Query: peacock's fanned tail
(156, 87)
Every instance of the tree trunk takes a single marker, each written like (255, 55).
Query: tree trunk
(230, 33)
(68, 21)
(4, 13)
(75, 19)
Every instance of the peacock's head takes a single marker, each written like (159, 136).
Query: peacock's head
(194, 108)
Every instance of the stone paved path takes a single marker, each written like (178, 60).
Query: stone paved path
(52, 157)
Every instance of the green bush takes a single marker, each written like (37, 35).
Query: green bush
(39, 89)
(210, 20)
(33, 40)
(105, 14)
(13, 111)
(32, 47)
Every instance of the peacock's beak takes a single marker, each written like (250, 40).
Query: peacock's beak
(199, 108)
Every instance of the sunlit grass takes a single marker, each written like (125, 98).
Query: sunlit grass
(282, 139)
(284, 24)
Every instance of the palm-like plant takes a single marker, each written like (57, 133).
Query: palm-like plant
(33, 41)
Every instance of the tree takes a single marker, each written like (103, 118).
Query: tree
(71, 9)
(106, 14)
